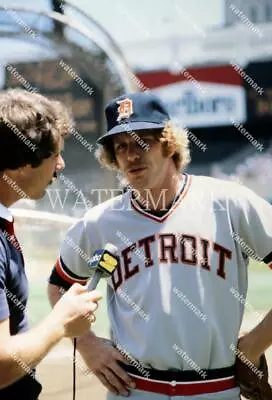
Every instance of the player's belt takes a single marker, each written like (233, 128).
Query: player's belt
(182, 383)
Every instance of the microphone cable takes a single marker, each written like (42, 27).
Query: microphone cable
(74, 369)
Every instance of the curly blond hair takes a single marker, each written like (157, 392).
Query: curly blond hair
(170, 137)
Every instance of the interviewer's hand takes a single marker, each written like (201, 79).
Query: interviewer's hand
(74, 310)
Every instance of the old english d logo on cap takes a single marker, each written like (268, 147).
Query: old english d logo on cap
(134, 112)
(125, 109)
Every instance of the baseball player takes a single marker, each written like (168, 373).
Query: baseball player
(32, 130)
(183, 246)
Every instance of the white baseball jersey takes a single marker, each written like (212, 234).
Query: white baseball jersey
(176, 299)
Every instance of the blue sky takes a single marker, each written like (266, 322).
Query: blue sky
(137, 20)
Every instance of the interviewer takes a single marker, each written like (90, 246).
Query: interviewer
(32, 131)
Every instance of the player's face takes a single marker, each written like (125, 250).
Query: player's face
(35, 180)
(141, 161)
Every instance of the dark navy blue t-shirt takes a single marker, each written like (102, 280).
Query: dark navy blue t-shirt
(13, 300)
(13, 286)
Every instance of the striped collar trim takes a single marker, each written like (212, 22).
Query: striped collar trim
(184, 189)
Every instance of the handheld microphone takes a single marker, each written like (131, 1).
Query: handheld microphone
(102, 265)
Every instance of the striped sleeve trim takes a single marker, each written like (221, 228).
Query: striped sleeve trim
(67, 275)
(268, 258)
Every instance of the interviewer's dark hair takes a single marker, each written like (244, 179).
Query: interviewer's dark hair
(30, 128)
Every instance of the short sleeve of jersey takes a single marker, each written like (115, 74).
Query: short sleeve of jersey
(4, 308)
(75, 254)
(255, 227)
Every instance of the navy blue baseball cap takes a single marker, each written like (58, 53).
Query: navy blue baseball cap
(134, 112)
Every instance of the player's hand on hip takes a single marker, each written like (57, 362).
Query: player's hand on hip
(246, 346)
(74, 311)
(102, 359)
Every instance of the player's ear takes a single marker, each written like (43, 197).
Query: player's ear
(172, 148)
(169, 140)
(169, 148)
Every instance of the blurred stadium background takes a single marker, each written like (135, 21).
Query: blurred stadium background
(210, 63)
